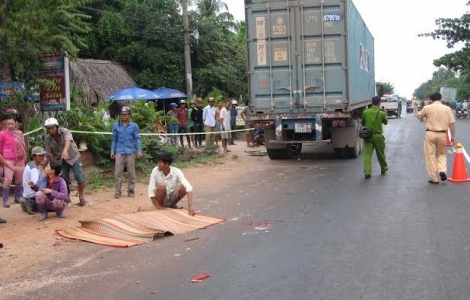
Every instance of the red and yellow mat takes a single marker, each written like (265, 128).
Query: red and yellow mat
(128, 230)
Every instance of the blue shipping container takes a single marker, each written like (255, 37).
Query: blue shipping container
(308, 56)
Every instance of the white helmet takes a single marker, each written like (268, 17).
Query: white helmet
(182, 102)
(234, 102)
(51, 122)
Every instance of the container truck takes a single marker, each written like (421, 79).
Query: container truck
(311, 73)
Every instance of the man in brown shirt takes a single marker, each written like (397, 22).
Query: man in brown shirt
(439, 119)
(62, 147)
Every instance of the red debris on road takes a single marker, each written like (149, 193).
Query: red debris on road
(200, 277)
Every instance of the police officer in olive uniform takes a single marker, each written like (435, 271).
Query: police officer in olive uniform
(439, 119)
(372, 119)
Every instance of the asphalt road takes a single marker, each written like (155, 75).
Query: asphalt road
(329, 234)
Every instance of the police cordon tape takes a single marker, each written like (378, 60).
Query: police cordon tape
(33, 131)
(150, 134)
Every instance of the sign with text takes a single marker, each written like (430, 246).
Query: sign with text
(55, 94)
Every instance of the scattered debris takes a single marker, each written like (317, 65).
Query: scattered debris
(263, 225)
(191, 239)
(256, 152)
(200, 277)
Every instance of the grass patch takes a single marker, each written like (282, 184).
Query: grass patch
(99, 180)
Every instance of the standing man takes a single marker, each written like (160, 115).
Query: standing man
(173, 124)
(9, 166)
(167, 185)
(399, 108)
(196, 116)
(125, 143)
(208, 116)
(414, 105)
(233, 119)
(182, 116)
(13, 149)
(225, 125)
(61, 147)
(246, 114)
(192, 107)
(439, 119)
(372, 119)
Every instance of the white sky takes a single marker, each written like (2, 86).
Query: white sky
(401, 57)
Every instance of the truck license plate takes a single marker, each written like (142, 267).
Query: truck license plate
(303, 127)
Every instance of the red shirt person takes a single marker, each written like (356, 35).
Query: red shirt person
(183, 119)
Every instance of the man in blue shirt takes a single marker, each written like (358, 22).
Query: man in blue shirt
(125, 143)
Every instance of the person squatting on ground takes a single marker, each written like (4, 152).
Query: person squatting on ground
(372, 119)
(439, 119)
(258, 135)
(183, 129)
(246, 114)
(168, 185)
(233, 120)
(13, 149)
(61, 147)
(52, 192)
(125, 143)
(196, 116)
(208, 117)
(173, 123)
(31, 175)
(224, 118)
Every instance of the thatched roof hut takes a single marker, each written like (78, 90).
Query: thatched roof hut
(96, 79)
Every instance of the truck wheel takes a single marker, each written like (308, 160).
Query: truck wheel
(295, 149)
(278, 153)
(340, 152)
(355, 151)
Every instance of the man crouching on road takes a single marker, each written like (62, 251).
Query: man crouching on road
(168, 185)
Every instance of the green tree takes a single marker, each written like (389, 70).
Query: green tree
(146, 37)
(384, 88)
(444, 78)
(454, 31)
(29, 28)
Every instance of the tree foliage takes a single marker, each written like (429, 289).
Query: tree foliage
(454, 68)
(455, 31)
(147, 38)
(384, 88)
(29, 28)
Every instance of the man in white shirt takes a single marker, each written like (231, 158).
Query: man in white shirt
(225, 121)
(168, 185)
(31, 176)
(208, 116)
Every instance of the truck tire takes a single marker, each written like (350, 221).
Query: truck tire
(295, 149)
(340, 152)
(355, 151)
(278, 153)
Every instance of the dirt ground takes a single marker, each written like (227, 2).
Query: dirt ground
(30, 243)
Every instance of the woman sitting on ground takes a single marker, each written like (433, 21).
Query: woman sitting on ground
(52, 191)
